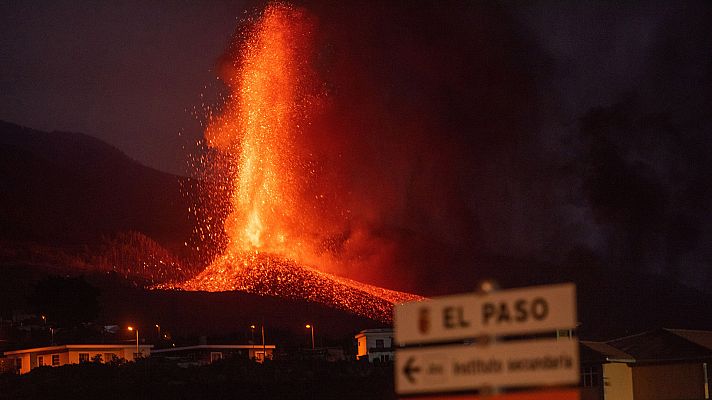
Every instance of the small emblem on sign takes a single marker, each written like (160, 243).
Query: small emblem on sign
(424, 320)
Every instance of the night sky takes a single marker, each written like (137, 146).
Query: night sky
(551, 131)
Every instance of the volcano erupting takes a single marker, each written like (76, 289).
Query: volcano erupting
(274, 206)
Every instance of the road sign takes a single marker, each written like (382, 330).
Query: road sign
(514, 364)
(549, 394)
(505, 312)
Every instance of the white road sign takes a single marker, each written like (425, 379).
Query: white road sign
(505, 312)
(516, 364)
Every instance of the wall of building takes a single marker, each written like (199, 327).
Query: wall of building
(617, 381)
(259, 354)
(362, 349)
(71, 356)
(669, 381)
(125, 353)
(374, 351)
(63, 358)
(26, 366)
(74, 355)
(367, 344)
(386, 337)
(203, 355)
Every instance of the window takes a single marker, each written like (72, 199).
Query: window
(40, 361)
(83, 357)
(379, 343)
(55, 360)
(590, 377)
(260, 356)
(109, 357)
(215, 356)
(18, 364)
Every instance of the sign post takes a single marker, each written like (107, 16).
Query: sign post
(457, 368)
(463, 363)
(507, 312)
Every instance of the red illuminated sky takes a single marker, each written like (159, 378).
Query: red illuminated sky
(458, 132)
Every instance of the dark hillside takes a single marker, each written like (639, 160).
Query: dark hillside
(70, 189)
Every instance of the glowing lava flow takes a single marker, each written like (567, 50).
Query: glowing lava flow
(265, 274)
(269, 224)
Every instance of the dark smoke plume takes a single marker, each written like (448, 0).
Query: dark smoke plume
(422, 140)
(458, 140)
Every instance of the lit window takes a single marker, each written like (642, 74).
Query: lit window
(83, 357)
(108, 357)
(55, 360)
(259, 356)
(40, 361)
(215, 356)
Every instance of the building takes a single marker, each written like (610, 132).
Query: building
(375, 344)
(605, 372)
(54, 356)
(204, 354)
(662, 364)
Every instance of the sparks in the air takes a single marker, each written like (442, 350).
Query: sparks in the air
(260, 182)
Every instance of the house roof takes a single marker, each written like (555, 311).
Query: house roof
(701, 338)
(379, 331)
(216, 347)
(605, 352)
(77, 347)
(665, 345)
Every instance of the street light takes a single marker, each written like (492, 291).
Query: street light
(131, 328)
(264, 347)
(51, 330)
(309, 326)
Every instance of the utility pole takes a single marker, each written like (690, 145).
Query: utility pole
(264, 347)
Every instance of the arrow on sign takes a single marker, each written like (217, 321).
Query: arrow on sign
(536, 362)
(409, 369)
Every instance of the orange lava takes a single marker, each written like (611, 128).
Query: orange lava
(264, 274)
(258, 128)
(270, 223)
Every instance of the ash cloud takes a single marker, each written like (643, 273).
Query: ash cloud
(425, 141)
(455, 142)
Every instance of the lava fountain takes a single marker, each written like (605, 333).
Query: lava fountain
(272, 225)
(257, 131)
